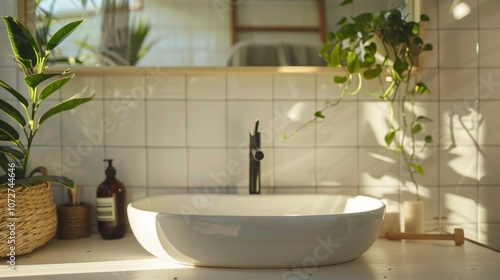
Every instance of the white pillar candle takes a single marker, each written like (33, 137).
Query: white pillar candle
(414, 216)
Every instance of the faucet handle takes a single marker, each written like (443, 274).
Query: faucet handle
(258, 154)
(256, 127)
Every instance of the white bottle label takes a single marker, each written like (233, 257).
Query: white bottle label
(105, 209)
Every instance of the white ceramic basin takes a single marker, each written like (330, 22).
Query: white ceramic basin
(256, 231)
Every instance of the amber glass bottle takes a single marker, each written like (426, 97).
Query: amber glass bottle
(111, 206)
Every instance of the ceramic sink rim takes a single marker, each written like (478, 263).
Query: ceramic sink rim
(235, 239)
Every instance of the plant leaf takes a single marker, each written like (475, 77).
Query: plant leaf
(55, 85)
(342, 21)
(348, 31)
(416, 128)
(7, 132)
(417, 168)
(427, 47)
(12, 152)
(372, 73)
(418, 41)
(16, 94)
(412, 29)
(400, 67)
(22, 43)
(64, 106)
(345, 2)
(421, 88)
(424, 17)
(428, 139)
(423, 119)
(340, 79)
(389, 137)
(319, 114)
(398, 150)
(353, 62)
(4, 164)
(12, 112)
(34, 80)
(330, 36)
(335, 55)
(61, 34)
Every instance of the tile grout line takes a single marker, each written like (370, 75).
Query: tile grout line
(146, 150)
(186, 134)
(478, 208)
(226, 139)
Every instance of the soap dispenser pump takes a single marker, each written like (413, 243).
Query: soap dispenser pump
(111, 205)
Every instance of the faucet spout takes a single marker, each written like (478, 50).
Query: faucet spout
(256, 155)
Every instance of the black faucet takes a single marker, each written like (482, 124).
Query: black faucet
(256, 155)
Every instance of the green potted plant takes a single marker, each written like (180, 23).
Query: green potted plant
(27, 200)
(383, 45)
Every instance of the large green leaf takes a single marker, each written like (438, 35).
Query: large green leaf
(16, 94)
(389, 137)
(353, 62)
(22, 42)
(335, 55)
(12, 112)
(61, 34)
(55, 85)
(363, 19)
(64, 106)
(340, 79)
(34, 80)
(400, 68)
(347, 31)
(372, 73)
(12, 152)
(7, 132)
(4, 163)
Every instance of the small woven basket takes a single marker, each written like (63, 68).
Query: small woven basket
(36, 219)
(73, 221)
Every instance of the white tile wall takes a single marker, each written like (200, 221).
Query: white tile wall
(166, 123)
(176, 133)
(448, 14)
(206, 123)
(458, 48)
(250, 87)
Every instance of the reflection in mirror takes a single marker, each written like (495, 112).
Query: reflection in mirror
(195, 32)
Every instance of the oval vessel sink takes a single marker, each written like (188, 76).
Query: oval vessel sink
(256, 231)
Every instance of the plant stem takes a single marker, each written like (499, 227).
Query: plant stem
(329, 104)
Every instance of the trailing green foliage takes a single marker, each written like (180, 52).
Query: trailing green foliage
(385, 46)
(31, 58)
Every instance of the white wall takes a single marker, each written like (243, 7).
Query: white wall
(177, 133)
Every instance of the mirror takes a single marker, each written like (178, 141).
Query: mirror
(209, 33)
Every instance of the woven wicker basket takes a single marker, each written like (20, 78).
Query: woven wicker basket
(36, 218)
(73, 221)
